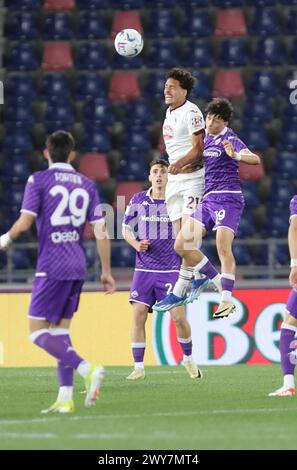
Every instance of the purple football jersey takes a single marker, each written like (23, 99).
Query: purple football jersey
(149, 220)
(62, 200)
(221, 171)
(293, 206)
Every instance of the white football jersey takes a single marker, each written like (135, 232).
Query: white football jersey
(179, 126)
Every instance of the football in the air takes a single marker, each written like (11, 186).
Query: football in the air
(128, 43)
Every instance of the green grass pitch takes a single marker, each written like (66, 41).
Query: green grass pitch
(228, 409)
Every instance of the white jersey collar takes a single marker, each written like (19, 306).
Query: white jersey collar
(61, 166)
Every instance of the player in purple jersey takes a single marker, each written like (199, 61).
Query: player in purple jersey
(157, 266)
(61, 201)
(220, 210)
(289, 326)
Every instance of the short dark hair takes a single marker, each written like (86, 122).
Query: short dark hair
(159, 161)
(59, 145)
(185, 78)
(220, 107)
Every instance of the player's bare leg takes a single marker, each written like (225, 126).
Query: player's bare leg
(140, 313)
(183, 328)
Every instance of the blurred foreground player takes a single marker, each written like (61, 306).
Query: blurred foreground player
(157, 267)
(289, 325)
(61, 201)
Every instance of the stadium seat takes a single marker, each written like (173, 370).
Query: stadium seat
(124, 86)
(96, 140)
(266, 22)
(249, 189)
(123, 256)
(255, 137)
(89, 232)
(202, 86)
(30, 5)
(282, 255)
(89, 86)
(23, 56)
(138, 113)
(228, 3)
(161, 24)
(270, 51)
(293, 53)
(282, 191)
(58, 5)
(263, 3)
(228, 83)
(263, 82)
(126, 63)
(251, 172)
(22, 26)
(286, 167)
(242, 255)
(291, 22)
(21, 86)
(59, 115)
(91, 56)
(289, 138)
(57, 26)
(258, 109)
(94, 166)
(230, 23)
(55, 85)
(124, 20)
(57, 56)
(16, 171)
(154, 87)
(20, 259)
(233, 53)
(246, 227)
(19, 114)
(134, 170)
(92, 4)
(92, 26)
(126, 190)
(99, 111)
(197, 23)
(276, 224)
(162, 54)
(162, 3)
(126, 4)
(136, 138)
(91, 255)
(198, 53)
(17, 141)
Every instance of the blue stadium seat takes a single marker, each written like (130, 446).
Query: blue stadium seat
(276, 224)
(92, 4)
(136, 138)
(250, 193)
(57, 26)
(126, 63)
(59, 115)
(91, 56)
(161, 3)
(282, 255)
(263, 82)
(30, 5)
(282, 191)
(138, 113)
(89, 86)
(19, 114)
(55, 85)
(16, 171)
(123, 256)
(291, 22)
(270, 51)
(255, 137)
(258, 110)
(92, 26)
(161, 24)
(293, 53)
(162, 54)
(287, 167)
(242, 255)
(289, 137)
(228, 3)
(193, 3)
(233, 53)
(197, 23)
(20, 259)
(154, 87)
(96, 139)
(246, 226)
(21, 86)
(134, 170)
(99, 111)
(126, 4)
(266, 22)
(261, 258)
(17, 141)
(91, 255)
(130, 154)
(22, 26)
(263, 3)
(202, 87)
(198, 53)
(23, 57)
(3, 257)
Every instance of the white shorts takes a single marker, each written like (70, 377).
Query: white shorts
(183, 196)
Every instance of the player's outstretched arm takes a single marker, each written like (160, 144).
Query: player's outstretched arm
(245, 155)
(103, 248)
(24, 223)
(139, 245)
(193, 157)
(292, 239)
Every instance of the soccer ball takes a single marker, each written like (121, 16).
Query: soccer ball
(128, 43)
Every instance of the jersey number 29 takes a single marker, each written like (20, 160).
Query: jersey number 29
(69, 201)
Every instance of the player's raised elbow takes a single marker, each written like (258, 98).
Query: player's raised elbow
(256, 159)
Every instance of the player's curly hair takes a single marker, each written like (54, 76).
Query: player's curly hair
(220, 107)
(59, 145)
(184, 77)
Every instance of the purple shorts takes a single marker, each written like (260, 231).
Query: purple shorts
(149, 287)
(53, 300)
(220, 210)
(292, 303)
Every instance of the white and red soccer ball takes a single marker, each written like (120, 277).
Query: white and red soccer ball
(128, 43)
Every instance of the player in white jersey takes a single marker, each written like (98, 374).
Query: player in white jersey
(183, 133)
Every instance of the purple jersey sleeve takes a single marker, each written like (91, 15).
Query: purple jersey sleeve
(237, 143)
(293, 206)
(32, 197)
(94, 213)
(131, 213)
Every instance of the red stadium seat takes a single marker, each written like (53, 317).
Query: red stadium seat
(89, 232)
(95, 167)
(124, 86)
(251, 172)
(228, 83)
(230, 23)
(126, 19)
(58, 5)
(57, 56)
(126, 189)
